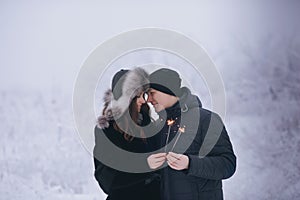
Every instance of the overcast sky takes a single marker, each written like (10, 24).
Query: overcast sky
(45, 43)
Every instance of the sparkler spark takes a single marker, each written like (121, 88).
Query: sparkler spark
(170, 123)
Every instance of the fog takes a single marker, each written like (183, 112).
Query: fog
(254, 45)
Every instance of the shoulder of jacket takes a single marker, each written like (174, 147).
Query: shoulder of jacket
(105, 131)
(207, 114)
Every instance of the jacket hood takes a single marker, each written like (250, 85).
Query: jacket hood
(188, 100)
(135, 82)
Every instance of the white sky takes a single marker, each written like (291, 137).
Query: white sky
(45, 43)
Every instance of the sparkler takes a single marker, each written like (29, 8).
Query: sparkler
(180, 130)
(170, 123)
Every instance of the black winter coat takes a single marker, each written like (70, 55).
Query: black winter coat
(123, 185)
(209, 161)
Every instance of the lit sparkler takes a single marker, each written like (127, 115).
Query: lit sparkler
(180, 131)
(170, 123)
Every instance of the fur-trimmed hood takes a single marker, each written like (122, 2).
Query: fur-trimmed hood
(135, 81)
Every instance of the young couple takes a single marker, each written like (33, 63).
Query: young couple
(190, 150)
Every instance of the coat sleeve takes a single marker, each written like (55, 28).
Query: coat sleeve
(102, 173)
(220, 162)
(104, 176)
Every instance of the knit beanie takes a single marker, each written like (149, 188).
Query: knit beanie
(166, 81)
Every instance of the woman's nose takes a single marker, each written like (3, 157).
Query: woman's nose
(141, 100)
(149, 98)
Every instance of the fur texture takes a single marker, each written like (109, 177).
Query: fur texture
(136, 81)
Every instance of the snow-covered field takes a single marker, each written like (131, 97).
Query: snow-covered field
(41, 155)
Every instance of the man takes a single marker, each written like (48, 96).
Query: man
(199, 153)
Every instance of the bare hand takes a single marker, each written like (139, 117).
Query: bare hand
(177, 161)
(156, 160)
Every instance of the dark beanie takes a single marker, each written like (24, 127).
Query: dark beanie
(166, 81)
(117, 83)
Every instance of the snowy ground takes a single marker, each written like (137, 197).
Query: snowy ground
(41, 155)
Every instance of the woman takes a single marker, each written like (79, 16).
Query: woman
(121, 124)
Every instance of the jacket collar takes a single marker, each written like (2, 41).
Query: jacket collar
(186, 101)
(172, 112)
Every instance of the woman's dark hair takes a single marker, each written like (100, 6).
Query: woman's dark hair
(140, 119)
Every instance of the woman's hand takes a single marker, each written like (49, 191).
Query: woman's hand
(156, 160)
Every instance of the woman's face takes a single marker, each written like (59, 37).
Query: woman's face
(140, 101)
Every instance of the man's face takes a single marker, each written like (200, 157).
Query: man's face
(159, 100)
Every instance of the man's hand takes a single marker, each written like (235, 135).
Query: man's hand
(177, 161)
(156, 160)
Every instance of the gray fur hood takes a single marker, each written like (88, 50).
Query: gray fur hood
(135, 82)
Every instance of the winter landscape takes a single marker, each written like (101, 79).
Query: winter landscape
(255, 47)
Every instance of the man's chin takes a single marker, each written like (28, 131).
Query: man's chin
(158, 109)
